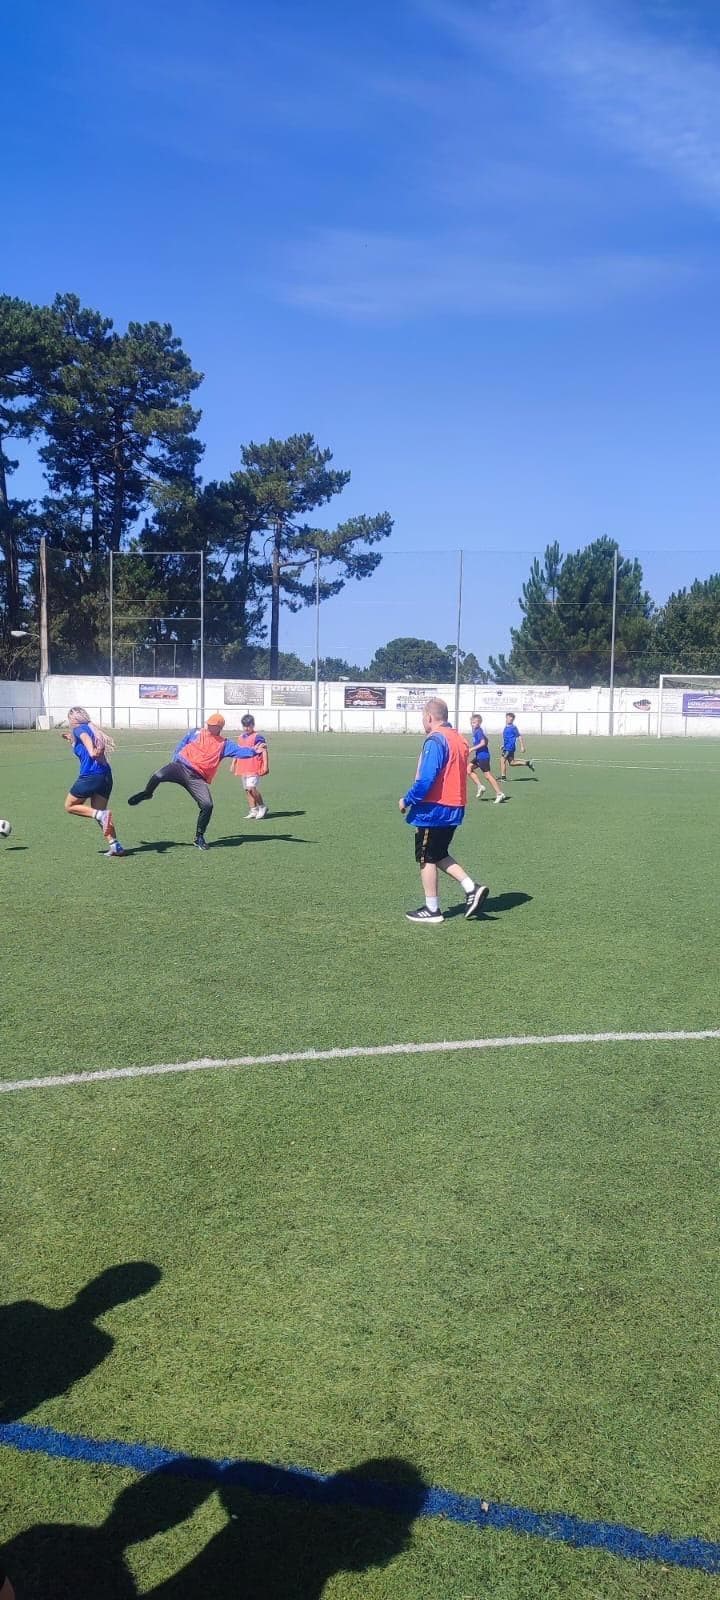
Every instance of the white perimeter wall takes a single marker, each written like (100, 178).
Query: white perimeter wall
(290, 706)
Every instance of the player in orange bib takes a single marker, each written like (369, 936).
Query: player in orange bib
(435, 807)
(195, 761)
(253, 770)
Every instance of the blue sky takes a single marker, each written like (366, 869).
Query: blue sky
(471, 246)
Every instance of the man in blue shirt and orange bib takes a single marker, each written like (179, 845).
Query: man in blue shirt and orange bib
(194, 763)
(435, 806)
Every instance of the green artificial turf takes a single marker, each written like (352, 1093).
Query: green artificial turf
(500, 1268)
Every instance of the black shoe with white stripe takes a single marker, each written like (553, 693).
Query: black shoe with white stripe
(475, 900)
(424, 914)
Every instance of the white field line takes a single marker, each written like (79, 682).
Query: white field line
(356, 1053)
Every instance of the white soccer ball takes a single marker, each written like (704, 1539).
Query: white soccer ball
(5, 829)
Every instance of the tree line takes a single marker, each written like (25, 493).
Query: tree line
(113, 421)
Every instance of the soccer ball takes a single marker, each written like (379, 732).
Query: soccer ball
(5, 830)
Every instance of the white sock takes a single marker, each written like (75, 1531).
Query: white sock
(432, 902)
(467, 884)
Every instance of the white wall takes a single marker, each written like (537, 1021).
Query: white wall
(553, 710)
(20, 704)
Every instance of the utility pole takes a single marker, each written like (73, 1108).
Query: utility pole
(44, 650)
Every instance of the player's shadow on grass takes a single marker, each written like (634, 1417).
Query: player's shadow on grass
(494, 906)
(256, 838)
(44, 1350)
(286, 1534)
(158, 846)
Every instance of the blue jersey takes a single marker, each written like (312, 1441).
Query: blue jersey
(480, 744)
(90, 766)
(511, 735)
(433, 756)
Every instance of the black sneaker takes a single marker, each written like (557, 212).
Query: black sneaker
(424, 914)
(199, 842)
(135, 799)
(531, 765)
(475, 900)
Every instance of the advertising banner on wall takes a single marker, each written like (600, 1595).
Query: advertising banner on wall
(291, 694)
(701, 704)
(507, 697)
(368, 695)
(243, 694)
(412, 698)
(158, 691)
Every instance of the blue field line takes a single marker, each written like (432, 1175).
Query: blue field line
(303, 1483)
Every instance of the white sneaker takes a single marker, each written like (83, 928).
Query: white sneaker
(116, 849)
(251, 813)
(499, 799)
(261, 811)
(481, 790)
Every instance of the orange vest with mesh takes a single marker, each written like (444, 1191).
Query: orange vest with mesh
(258, 766)
(204, 753)
(450, 786)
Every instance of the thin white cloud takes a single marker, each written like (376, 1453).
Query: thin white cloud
(658, 101)
(377, 277)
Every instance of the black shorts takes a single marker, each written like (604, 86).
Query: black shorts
(482, 761)
(85, 788)
(432, 845)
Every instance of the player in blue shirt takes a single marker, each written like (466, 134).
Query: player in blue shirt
(92, 788)
(480, 761)
(512, 737)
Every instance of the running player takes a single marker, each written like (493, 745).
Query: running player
(512, 737)
(92, 788)
(251, 771)
(480, 758)
(195, 761)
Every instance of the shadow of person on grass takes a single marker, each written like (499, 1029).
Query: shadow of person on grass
(495, 903)
(44, 1350)
(75, 1561)
(288, 1533)
(286, 1536)
(257, 838)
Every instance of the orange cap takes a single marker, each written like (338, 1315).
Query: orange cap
(216, 720)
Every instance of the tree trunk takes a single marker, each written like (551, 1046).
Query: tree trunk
(275, 602)
(8, 543)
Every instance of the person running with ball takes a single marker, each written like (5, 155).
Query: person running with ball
(435, 806)
(90, 793)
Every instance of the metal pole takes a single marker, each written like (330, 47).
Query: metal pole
(44, 651)
(457, 641)
(202, 636)
(661, 690)
(611, 718)
(317, 641)
(112, 650)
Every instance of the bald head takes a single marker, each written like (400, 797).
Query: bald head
(435, 712)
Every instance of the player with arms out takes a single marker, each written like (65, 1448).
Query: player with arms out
(435, 806)
(253, 770)
(480, 759)
(92, 788)
(195, 761)
(512, 737)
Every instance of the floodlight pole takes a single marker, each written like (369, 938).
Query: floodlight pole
(457, 640)
(611, 717)
(317, 640)
(112, 650)
(202, 636)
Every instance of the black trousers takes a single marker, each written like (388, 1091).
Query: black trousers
(180, 772)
